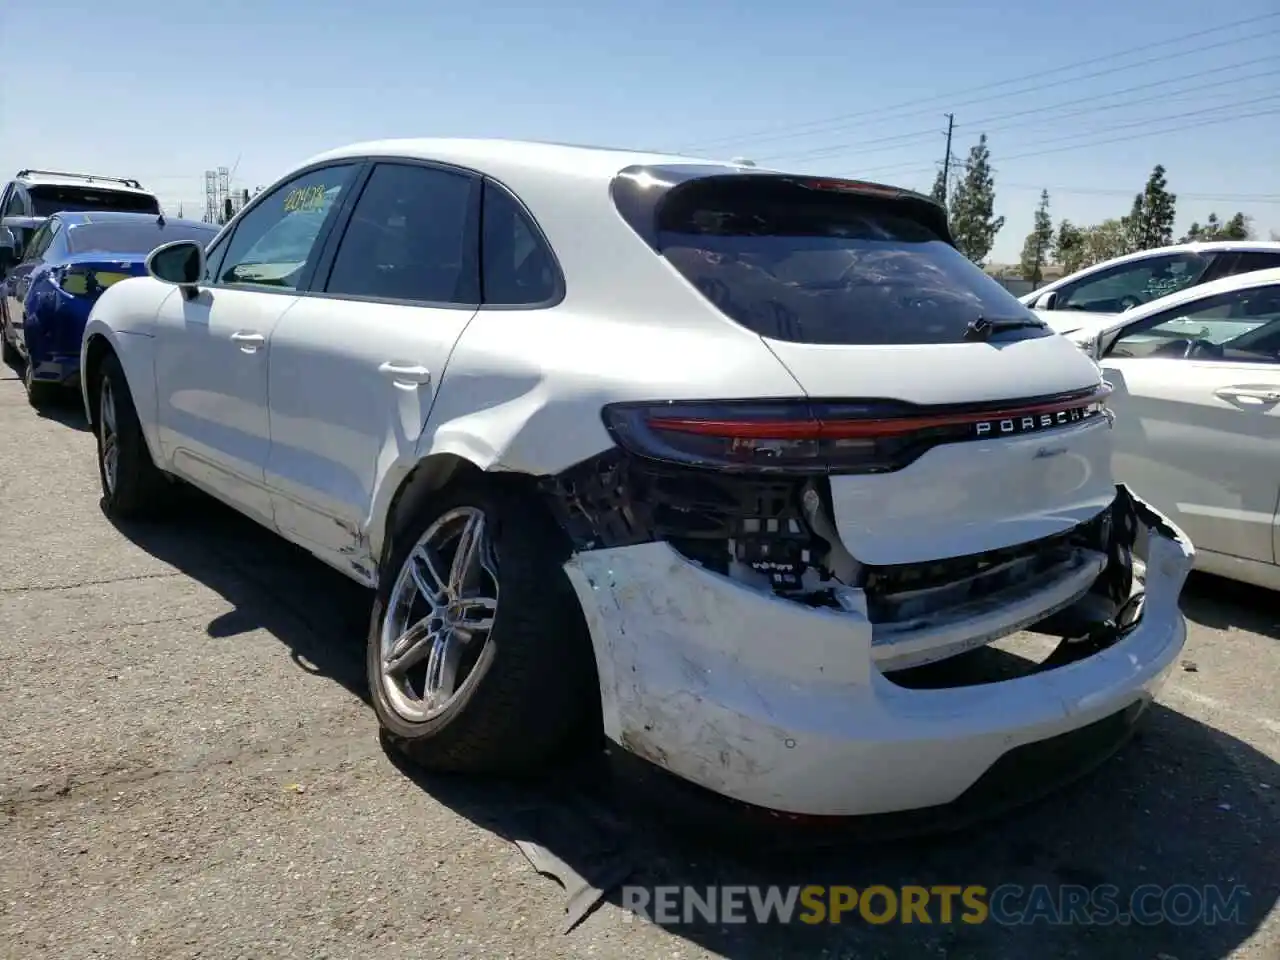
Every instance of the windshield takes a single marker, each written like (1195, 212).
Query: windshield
(833, 268)
(136, 238)
(48, 200)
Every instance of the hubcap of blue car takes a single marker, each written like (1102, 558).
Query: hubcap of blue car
(110, 447)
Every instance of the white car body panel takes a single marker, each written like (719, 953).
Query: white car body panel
(214, 421)
(304, 432)
(339, 424)
(951, 502)
(124, 316)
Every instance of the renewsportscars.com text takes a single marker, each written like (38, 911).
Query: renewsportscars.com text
(1007, 904)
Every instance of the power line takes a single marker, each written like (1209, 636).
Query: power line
(775, 132)
(984, 125)
(1113, 192)
(1079, 145)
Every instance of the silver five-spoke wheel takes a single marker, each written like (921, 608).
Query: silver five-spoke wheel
(110, 442)
(434, 643)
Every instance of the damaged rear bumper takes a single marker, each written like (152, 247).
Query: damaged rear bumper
(782, 706)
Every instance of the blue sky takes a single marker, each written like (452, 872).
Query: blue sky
(164, 91)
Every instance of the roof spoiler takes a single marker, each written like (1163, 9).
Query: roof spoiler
(87, 177)
(638, 190)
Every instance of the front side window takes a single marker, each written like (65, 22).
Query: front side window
(410, 237)
(40, 241)
(276, 243)
(519, 269)
(14, 207)
(1241, 326)
(1129, 285)
(827, 266)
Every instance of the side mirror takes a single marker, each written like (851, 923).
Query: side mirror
(1046, 301)
(180, 263)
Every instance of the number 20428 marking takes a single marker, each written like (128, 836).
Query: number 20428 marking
(303, 199)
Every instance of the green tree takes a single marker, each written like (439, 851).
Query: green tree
(1150, 221)
(1039, 243)
(973, 221)
(939, 191)
(1104, 240)
(1068, 246)
(1236, 228)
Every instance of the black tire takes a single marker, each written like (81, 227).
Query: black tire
(140, 489)
(537, 697)
(40, 393)
(8, 352)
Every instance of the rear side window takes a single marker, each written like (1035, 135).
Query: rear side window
(48, 200)
(410, 238)
(137, 238)
(826, 266)
(1258, 260)
(519, 269)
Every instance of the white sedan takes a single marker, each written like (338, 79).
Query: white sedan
(698, 456)
(1197, 402)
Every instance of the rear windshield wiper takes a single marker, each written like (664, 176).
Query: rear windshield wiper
(981, 328)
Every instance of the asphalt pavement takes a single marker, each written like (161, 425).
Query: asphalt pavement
(188, 768)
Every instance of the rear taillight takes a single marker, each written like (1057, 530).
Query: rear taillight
(796, 436)
(86, 281)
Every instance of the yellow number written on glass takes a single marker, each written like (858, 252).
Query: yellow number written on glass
(304, 199)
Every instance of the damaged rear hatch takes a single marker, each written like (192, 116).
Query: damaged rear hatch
(950, 419)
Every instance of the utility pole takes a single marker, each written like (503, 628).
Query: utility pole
(946, 160)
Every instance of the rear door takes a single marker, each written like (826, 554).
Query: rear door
(1198, 418)
(356, 364)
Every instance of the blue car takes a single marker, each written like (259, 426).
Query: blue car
(67, 264)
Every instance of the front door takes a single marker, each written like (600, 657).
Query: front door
(1197, 427)
(356, 366)
(213, 350)
(18, 281)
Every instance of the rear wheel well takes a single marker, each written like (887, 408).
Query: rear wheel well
(440, 471)
(98, 350)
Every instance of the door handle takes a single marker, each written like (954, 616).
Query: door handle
(249, 342)
(1265, 394)
(405, 372)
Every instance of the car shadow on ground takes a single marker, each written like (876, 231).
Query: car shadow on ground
(1228, 604)
(67, 410)
(1183, 805)
(320, 615)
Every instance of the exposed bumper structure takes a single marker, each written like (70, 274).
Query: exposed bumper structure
(779, 705)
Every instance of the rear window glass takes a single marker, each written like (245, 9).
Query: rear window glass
(48, 200)
(133, 237)
(823, 266)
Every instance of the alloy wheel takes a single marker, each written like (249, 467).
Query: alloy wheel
(435, 640)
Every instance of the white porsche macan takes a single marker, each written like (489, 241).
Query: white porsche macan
(708, 455)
